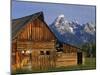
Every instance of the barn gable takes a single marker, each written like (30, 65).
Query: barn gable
(33, 23)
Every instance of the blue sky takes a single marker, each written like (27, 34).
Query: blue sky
(82, 13)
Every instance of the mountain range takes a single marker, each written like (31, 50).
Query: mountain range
(72, 32)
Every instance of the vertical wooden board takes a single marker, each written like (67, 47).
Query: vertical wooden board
(28, 31)
(33, 31)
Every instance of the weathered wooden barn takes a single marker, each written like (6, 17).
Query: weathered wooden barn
(35, 45)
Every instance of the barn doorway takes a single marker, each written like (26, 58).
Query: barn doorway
(79, 58)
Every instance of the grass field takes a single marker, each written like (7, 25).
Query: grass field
(89, 64)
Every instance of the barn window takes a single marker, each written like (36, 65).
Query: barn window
(41, 52)
(47, 52)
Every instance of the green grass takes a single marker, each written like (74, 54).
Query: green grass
(90, 63)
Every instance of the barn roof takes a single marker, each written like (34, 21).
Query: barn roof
(19, 23)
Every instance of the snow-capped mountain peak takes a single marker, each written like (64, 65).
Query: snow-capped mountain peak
(59, 19)
(61, 15)
(62, 24)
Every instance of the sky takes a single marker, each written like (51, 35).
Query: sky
(80, 13)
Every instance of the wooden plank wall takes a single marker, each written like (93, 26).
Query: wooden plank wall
(69, 48)
(37, 31)
(43, 62)
(66, 59)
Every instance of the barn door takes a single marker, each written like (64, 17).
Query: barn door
(79, 58)
(46, 60)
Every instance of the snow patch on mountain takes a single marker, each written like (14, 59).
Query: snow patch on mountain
(89, 28)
